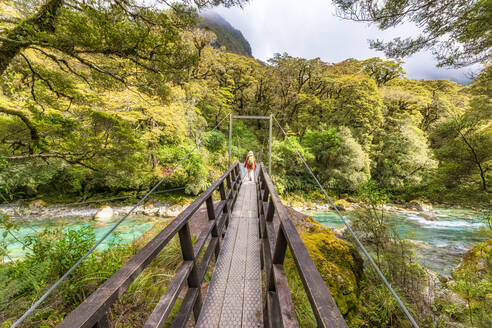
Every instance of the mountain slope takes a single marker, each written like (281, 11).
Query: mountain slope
(227, 35)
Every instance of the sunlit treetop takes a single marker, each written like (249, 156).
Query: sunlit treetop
(458, 32)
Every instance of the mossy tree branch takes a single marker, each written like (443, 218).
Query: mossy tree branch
(21, 35)
(33, 130)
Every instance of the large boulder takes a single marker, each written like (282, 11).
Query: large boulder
(337, 260)
(105, 213)
(477, 261)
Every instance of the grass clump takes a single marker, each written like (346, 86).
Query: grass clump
(50, 253)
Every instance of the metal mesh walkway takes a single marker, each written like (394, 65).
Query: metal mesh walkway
(234, 294)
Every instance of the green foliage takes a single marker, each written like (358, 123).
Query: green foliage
(290, 173)
(51, 252)
(355, 120)
(339, 160)
(383, 71)
(394, 256)
(463, 141)
(472, 280)
(401, 154)
(322, 143)
(338, 263)
(244, 139)
(372, 195)
(457, 31)
(215, 142)
(197, 174)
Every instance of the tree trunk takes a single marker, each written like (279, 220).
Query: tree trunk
(476, 160)
(24, 33)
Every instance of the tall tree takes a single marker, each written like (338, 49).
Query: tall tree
(53, 46)
(464, 141)
(383, 71)
(459, 32)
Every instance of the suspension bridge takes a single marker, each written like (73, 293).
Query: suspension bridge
(245, 240)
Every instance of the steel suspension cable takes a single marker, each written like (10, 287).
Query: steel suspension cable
(53, 287)
(366, 253)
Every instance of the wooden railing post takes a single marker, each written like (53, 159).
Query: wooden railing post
(188, 255)
(211, 216)
(103, 322)
(236, 170)
(265, 195)
(229, 183)
(270, 211)
(233, 174)
(224, 198)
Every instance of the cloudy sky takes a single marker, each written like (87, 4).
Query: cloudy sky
(310, 29)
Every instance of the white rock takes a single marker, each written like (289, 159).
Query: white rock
(162, 212)
(339, 232)
(104, 213)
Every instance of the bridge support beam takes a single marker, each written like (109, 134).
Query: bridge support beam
(270, 118)
(230, 138)
(270, 147)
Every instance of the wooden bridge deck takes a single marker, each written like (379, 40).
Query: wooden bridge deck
(234, 295)
(258, 233)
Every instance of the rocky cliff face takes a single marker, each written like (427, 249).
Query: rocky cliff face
(227, 36)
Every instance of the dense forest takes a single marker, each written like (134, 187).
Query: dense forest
(105, 97)
(105, 117)
(72, 119)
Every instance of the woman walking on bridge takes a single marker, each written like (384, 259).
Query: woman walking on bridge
(250, 164)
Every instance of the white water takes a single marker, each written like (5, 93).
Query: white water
(440, 244)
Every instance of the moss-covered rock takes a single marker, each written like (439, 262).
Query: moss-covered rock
(343, 205)
(337, 260)
(477, 260)
(37, 204)
(472, 283)
(421, 204)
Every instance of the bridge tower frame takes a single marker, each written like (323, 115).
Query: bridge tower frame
(247, 117)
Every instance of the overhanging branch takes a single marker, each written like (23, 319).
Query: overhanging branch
(25, 120)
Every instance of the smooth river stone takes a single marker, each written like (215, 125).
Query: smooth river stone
(105, 213)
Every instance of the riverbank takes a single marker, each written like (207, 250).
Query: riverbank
(442, 301)
(39, 210)
(439, 237)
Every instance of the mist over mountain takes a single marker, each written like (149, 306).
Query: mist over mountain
(227, 35)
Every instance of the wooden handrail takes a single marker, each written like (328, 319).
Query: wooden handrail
(92, 312)
(276, 236)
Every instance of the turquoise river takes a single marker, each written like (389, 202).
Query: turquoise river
(439, 245)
